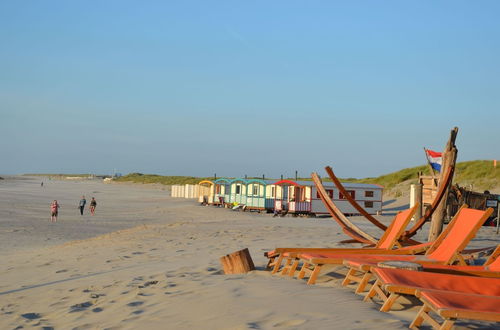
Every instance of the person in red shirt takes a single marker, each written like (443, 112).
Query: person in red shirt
(54, 210)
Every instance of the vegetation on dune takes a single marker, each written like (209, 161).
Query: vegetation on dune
(62, 175)
(480, 174)
(154, 178)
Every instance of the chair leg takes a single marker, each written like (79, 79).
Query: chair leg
(302, 272)
(372, 292)
(314, 274)
(447, 325)
(286, 267)
(389, 302)
(277, 264)
(270, 262)
(349, 276)
(364, 281)
(293, 268)
(417, 322)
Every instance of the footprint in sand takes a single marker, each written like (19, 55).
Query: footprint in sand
(289, 323)
(135, 303)
(80, 307)
(61, 271)
(137, 252)
(97, 310)
(31, 316)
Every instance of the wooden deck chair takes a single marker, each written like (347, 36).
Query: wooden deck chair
(451, 306)
(446, 250)
(391, 283)
(385, 245)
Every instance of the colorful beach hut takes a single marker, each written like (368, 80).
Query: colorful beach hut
(222, 190)
(206, 194)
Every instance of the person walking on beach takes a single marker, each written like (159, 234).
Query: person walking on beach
(81, 205)
(54, 210)
(93, 204)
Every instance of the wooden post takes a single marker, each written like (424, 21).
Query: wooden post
(498, 217)
(238, 262)
(449, 159)
(416, 197)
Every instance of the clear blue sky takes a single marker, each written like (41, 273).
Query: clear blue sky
(245, 87)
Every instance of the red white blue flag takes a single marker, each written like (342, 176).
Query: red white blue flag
(435, 159)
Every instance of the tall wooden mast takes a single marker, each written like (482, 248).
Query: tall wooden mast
(449, 159)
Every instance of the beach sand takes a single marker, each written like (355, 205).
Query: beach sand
(149, 261)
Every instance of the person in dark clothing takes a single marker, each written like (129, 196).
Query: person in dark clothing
(93, 204)
(81, 205)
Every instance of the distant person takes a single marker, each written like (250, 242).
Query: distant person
(54, 210)
(41, 184)
(81, 205)
(93, 204)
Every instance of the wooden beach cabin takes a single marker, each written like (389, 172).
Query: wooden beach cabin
(238, 191)
(222, 189)
(259, 194)
(206, 194)
(301, 197)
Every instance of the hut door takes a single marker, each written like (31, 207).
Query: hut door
(284, 198)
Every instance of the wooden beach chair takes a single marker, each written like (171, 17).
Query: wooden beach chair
(385, 245)
(390, 284)
(445, 250)
(451, 306)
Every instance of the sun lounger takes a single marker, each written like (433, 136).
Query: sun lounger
(385, 245)
(445, 250)
(391, 283)
(451, 306)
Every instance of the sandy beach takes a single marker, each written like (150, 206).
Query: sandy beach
(148, 261)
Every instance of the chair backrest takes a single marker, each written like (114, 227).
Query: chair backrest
(457, 234)
(493, 262)
(396, 228)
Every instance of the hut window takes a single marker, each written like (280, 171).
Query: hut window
(328, 191)
(369, 193)
(350, 192)
(273, 191)
(238, 189)
(255, 190)
(368, 204)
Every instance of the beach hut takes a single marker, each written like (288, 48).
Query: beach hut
(260, 194)
(301, 197)
(206, 192)
(222, 189)
(238, 191)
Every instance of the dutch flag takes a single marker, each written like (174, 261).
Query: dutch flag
(435, 159)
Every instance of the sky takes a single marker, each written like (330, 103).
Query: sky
(238, 88)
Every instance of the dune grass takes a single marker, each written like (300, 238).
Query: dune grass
(154, 178)
(480, 174)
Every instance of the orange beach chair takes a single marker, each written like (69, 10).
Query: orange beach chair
(445, 250)
(455, 305)
(396, 282)
(385, 245)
